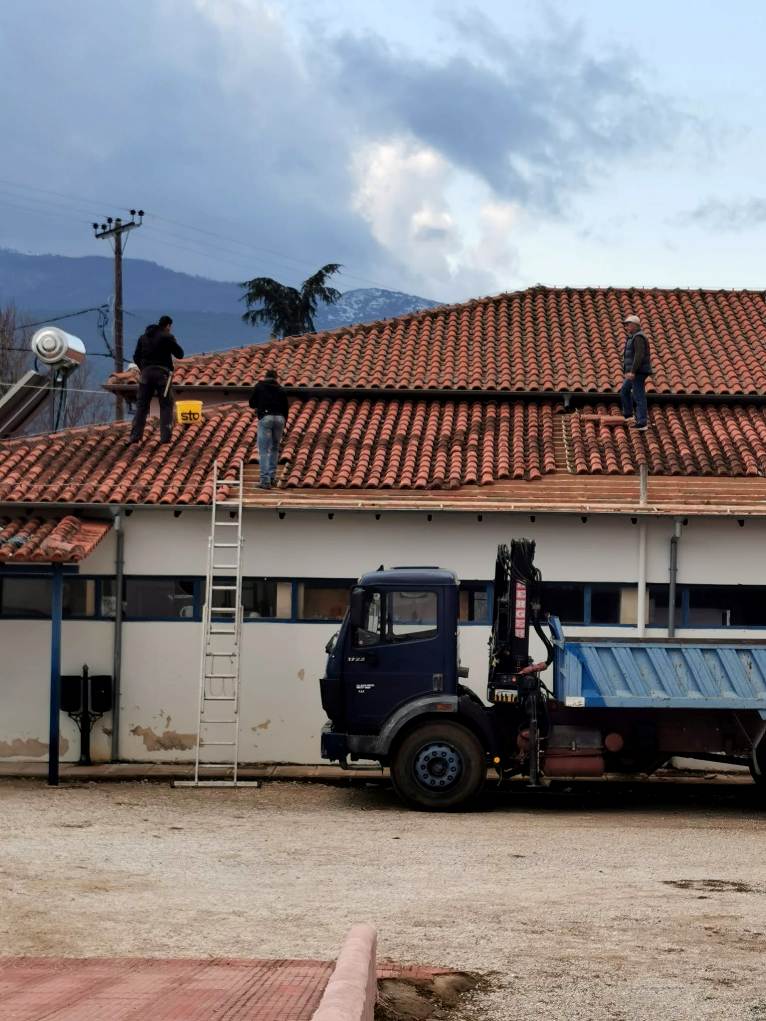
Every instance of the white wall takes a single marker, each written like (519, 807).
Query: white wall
(281, 663)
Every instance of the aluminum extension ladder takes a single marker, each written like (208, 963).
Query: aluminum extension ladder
(219, 686)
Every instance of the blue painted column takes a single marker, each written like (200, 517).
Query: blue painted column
(57, 591)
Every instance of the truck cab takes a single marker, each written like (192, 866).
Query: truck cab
(393, 668)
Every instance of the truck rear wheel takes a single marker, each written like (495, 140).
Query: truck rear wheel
(439, 767)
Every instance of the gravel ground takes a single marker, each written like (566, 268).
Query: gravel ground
(609, 902)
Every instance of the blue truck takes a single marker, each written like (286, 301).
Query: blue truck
(393, 691)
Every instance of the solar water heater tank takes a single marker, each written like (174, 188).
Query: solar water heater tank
(56, 348)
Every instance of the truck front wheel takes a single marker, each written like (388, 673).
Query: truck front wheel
(439, 767)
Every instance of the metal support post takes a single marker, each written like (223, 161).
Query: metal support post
(117, 656)
(673, 578)
(57, 591)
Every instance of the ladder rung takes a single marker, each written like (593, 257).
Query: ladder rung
(223, 588)
(225, 545)
(220, 677)
(225, 567)
(226, 524)
(220, 631)
(222, 609)
(218, 744)
(227, 503)
(217, 765)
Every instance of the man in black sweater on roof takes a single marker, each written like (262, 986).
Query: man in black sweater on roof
(154, 355)
(269, 401)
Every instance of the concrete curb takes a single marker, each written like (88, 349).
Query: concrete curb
(351, 993)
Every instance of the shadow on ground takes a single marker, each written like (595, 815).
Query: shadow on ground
(682, 795)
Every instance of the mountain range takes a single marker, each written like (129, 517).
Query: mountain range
(206, 313)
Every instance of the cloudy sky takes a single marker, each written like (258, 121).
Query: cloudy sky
(441, 147)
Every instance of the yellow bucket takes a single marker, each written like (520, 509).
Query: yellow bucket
(189, 412)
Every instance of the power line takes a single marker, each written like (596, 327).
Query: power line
(33, 386)
(58, 319)
(247, 245)
(29, 351)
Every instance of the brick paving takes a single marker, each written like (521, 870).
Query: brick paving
(67, 989)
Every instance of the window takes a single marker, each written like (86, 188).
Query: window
(29, 596)
(411, 615)
(397, 617)
(726, 606)
(261, 598)
(659, 596)
(79, 597)
(25, 597)
(323, 600)
(151, 598)
(565, 600)
(613, 604)
(371, 631)
(474, 603)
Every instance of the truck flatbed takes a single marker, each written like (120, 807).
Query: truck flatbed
(627, 674)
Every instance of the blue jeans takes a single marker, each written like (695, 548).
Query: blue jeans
(270, 429)
(633, 393)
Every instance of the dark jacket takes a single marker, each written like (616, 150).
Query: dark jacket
(268, 398)
(636, 357)
(157, 348)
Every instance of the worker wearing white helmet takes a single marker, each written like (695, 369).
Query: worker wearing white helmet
(636, 366)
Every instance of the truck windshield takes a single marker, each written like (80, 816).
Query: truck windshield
(397, 616)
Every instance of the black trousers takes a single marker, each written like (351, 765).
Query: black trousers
(154, 379)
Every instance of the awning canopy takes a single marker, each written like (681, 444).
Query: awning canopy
(63, 539)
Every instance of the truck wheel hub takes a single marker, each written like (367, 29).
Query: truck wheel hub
(438, 765)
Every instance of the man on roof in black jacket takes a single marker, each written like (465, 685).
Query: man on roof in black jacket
(636, 366)
(154, 356)
(269, 401)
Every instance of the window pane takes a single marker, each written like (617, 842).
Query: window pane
(79, 598)
(108, 606)
(26, 597)
(613, 604)
(159, 598)
(412, 614)
(658, 605)
(565, 600)
(727, 606)
(370, 631)
(474, 602)
(323, 602)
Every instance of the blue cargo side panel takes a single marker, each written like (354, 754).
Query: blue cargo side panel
(641, 676)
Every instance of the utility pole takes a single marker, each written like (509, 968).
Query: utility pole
(114, 229)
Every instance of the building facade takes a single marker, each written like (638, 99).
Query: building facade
(418, 441)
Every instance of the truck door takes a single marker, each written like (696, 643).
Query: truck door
(396, 654)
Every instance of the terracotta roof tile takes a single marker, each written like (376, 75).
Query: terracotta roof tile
(359, 443)
(66, 539)
(538, 340)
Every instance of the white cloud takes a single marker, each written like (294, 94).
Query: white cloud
(440, 222)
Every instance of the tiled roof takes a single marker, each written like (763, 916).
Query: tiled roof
(66, 539)
(538, 340)
(368, 446)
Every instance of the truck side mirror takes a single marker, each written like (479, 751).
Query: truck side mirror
(357, 608)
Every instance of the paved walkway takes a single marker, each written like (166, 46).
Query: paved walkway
(181, 771)
(66, 989)
(164, 773)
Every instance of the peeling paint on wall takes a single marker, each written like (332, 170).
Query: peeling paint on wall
(29, 748)
(167, 741)
(301, 674)
(262, 726)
